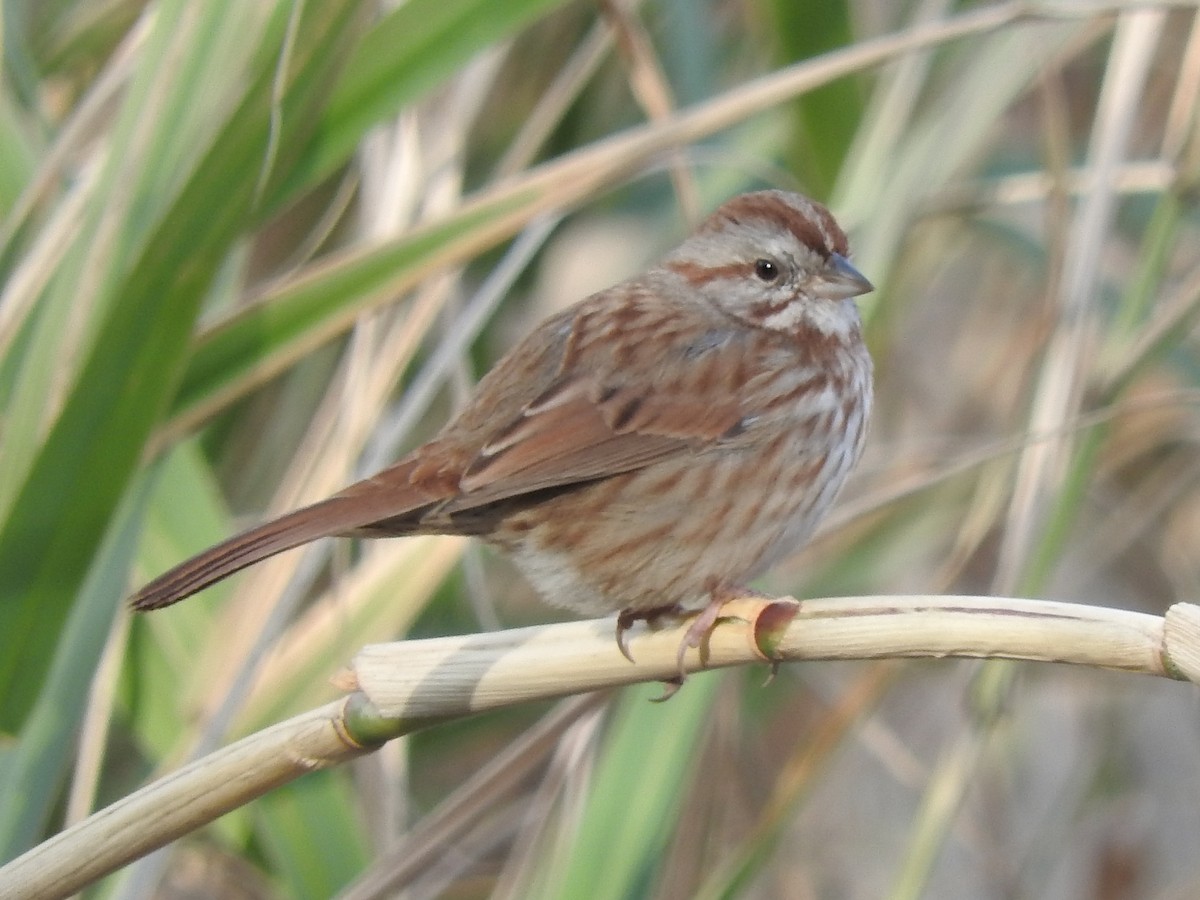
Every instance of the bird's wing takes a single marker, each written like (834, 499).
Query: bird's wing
(581, 430)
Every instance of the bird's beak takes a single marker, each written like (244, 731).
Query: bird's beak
(839, 280)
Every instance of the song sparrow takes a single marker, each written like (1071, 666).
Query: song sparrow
(653, 447)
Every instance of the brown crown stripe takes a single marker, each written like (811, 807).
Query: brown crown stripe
(823, 236)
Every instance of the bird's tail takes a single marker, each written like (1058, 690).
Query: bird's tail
(358, 506)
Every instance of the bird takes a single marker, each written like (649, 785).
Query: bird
(648, 450)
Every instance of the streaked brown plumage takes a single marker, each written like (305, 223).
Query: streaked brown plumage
(654, 446)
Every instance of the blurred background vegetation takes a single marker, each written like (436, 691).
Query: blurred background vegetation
(251, 251)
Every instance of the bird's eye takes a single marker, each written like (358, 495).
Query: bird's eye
(766, 269)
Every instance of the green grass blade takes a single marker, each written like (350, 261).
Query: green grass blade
(17, 154)
(265, 338)
(407, 53)
(313, 834)
(37, 765)
(825, 120)
(62, 505)
(637, 791)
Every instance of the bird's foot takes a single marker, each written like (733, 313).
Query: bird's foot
(627, 617)
(702, 626)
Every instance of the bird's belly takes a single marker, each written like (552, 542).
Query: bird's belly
(672, 532)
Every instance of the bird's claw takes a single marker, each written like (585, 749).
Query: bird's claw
(624, 622)
(670, 689)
